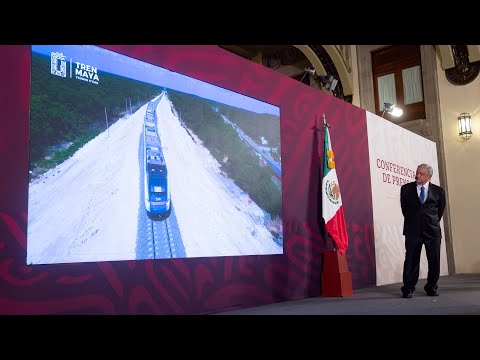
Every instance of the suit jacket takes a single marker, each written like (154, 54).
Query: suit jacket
(422, 220)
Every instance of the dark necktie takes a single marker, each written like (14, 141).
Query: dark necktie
(422, 194)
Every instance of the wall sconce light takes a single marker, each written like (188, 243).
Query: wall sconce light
(465, 126)
(392, 109)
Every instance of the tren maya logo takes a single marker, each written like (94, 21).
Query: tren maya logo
(81, 71)
(332, 190)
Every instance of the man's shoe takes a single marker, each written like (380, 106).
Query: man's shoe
(430, 291)
(407, 295)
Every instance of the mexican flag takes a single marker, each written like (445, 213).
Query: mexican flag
(332, 208)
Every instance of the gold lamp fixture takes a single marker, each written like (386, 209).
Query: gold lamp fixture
(465, 126)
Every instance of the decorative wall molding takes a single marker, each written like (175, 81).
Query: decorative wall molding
(464, 71)
(344, 51)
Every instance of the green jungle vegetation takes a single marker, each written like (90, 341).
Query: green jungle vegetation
(254, 125)
(222, 140)
(66, 113)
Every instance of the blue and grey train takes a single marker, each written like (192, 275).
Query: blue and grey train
(156, 187)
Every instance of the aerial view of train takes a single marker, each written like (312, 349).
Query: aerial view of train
(156, 186)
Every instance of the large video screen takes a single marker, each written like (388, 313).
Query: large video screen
(131, 161)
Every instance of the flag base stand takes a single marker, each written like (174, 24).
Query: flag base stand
(336, 279)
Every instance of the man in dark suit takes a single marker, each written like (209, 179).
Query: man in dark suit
(422, 205)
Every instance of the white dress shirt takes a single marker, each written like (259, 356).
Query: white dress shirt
(425, 186)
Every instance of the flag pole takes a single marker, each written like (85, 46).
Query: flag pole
(336, 279)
